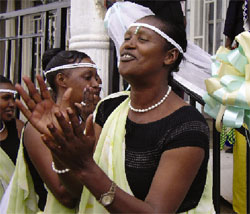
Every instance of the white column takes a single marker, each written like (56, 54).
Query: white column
(89, 35)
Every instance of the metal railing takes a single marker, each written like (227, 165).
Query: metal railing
(194, 97)
(25, 35)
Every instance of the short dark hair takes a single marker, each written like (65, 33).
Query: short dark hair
(3, 79)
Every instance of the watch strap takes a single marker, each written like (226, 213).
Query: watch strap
(111, 192)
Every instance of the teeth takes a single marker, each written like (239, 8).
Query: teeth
(127, 56)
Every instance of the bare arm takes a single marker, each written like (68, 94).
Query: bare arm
(41, 157)
(39, 112)
(173, 178)
(171, 182)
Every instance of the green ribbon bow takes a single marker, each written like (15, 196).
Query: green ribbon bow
(229, 85)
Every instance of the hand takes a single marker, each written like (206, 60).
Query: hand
(228, 43)
(72, 147)
(40, 106)
(90, 100)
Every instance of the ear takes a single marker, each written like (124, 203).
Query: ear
(61, 80)
(171, 56)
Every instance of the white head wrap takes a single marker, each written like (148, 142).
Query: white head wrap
(8, 91)
(161, 33)
(70, 66)
(122, 15)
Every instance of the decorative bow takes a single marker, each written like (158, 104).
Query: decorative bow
(228, 90)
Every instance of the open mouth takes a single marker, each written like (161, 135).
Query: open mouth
(10, 111)
(126, 57)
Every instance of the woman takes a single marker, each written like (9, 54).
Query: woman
(63, 69)
(10, 132)
(152, 151)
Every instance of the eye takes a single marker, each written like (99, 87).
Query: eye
(88, 77)
(127, 38)
(7, 97)
(143, 39)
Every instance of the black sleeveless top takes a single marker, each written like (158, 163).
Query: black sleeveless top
(11, 144)
(145, 144)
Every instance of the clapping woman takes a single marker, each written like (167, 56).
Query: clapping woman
(62, 70)
(151, 148)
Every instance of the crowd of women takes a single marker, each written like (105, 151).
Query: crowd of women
(139, 151)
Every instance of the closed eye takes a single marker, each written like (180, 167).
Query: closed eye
(143, 39)
(8, 97)
(127, 38)
(87, 77)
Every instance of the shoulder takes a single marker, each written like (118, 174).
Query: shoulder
(108, 105)
(30, 135)
(189, 128)
(192, 120)
(187, 114)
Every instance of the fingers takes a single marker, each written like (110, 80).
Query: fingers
(66, 98)
(65, 126)
(32, 90)
(49, 142)
(90, 126)
(79, 107)
(27, 99)
(88, 95)
(43, 88)
(96, 99)
(78, 127)
(27, 113)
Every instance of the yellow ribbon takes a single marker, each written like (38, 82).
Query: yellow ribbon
(228, 90)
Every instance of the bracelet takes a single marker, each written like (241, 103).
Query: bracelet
(57, 170)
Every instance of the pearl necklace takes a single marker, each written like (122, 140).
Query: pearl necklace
(153, 106)
(2, 129)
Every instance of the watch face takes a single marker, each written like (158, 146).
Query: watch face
(107, 199)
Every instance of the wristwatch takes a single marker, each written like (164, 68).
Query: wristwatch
(108, 197)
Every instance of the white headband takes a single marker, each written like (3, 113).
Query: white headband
(155, 29)
(8, 91)
(69, 66)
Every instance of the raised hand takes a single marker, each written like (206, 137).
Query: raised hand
(72, 147)
(90, 100)
(40, 106)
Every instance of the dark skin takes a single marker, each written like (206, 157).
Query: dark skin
(144, 64)
(7, 109)
(84, 85)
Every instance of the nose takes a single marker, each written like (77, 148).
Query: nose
(98, 79)
(11, 102)
(129, 43)
(95, 82)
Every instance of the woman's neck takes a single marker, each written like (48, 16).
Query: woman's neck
(145, 97)
(59, 102)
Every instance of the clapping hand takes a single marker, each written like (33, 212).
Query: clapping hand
(40, 106)
(87, 106)
(72, 147)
